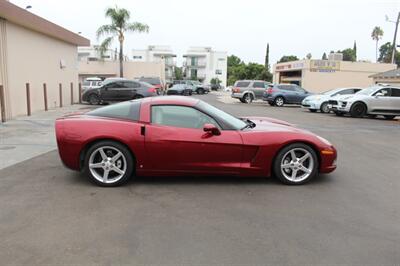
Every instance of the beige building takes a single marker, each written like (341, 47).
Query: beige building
(35, 51)
(132, 70)
(391, 77)
(322, 75)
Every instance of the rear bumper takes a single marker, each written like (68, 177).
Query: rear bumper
(237, 95)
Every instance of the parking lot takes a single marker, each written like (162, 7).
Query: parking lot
(52, 215)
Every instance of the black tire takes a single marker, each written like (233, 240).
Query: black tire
(242, 100)
(271, 103)
(339, 113)
(247, 98)
(200, 91)
(279, 101)
(94, 99)
(129, 161)
(389, 117)
(313, 110)
(277, 170)
(358, 109)
(324, 108)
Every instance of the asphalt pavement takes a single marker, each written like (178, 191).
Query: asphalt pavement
(50, 215)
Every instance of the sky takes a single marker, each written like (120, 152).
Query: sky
(242, 28)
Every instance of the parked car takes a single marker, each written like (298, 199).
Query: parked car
(372, 101)
(118, 89)
(180, 89)
(198, 87)
(280, 94)
(321, 101)
(248, 90)
(178, 135)
(90, 83)
(155, 81)
(215, 87)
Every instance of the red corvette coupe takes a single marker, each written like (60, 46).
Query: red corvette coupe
(175, 135)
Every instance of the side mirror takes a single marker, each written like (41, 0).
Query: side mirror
(379, 94)
(210, 128)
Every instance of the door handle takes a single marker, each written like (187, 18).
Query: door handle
(142, 130)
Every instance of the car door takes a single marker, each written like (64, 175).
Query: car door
(258, 89)
(299, 94)
(288, 93)
(380, 103)
(111, 91)
(395, 100)
(128, 90)
(176, 142)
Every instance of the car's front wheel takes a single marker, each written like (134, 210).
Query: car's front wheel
(200, 91)
(296, 164)
(108, 164)
(279, 101)
(358, 110)
(324, 108)
(94, 99)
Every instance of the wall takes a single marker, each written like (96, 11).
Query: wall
(35, 58)
(131, 69)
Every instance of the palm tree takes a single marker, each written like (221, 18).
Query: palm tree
(119, 26)
(376, 35)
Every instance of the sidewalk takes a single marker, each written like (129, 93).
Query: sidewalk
(29, 136)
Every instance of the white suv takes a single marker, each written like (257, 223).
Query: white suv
(372, 101)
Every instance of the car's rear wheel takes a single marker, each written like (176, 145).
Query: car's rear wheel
(94, 99)
(247, 98)
(358, 110)
(200, 91)
(279, 101)
(296, 164)
(324, 108)
(389, 117)
(313, 110)
(108, 163)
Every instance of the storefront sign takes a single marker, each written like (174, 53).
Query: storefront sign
(324, 66)
(289, 66)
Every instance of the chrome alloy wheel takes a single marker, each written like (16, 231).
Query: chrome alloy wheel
(107, 164)
(297, 164)
(279, 101)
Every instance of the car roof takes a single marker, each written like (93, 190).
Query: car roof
(173, 100)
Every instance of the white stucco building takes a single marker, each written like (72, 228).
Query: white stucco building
(204, 64)
(157, 54)
(92, 53)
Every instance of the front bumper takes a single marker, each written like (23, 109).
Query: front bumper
(328, 160)
(311, 105)
(339, 107)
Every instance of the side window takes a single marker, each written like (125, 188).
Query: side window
(126, 110)
(258, 85)
(180, 116)
(348, 91)
(385, 92)
(114, 85)
(395, 92)
(286, 87)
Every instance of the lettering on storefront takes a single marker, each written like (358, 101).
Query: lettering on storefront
(291, 66)
(326, 66)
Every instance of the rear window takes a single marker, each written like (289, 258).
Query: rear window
(242, 84)
(258, 85)
(125, 110)
(152, 81)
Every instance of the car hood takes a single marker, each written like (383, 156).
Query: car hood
(351, 97)
(316, 97)
(268, 124)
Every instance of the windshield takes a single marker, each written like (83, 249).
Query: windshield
(367, 91)
(196, 82)
(234, 122)
(330, 92)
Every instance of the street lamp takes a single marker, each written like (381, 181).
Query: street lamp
(395, 34)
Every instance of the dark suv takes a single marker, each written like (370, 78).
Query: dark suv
(118, 89)
(279, 94)
(248, 90)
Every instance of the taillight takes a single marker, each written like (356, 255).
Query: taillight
(235, 90)
(270, 90)
(152, 90)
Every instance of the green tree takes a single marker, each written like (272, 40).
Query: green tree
(118, 27)
(376, 35)
(215, 81)
(309, 56)
(324, 57)
(266, 64)
(385, 54)
(348, 54)
(233, 60)
(178, 74)
(355, 50)
(288, 58)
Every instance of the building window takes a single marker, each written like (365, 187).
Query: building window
(137, 57)
(218, 72)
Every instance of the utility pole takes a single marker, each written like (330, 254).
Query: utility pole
(395, 35)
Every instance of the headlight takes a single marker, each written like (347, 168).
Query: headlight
(324, 141)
